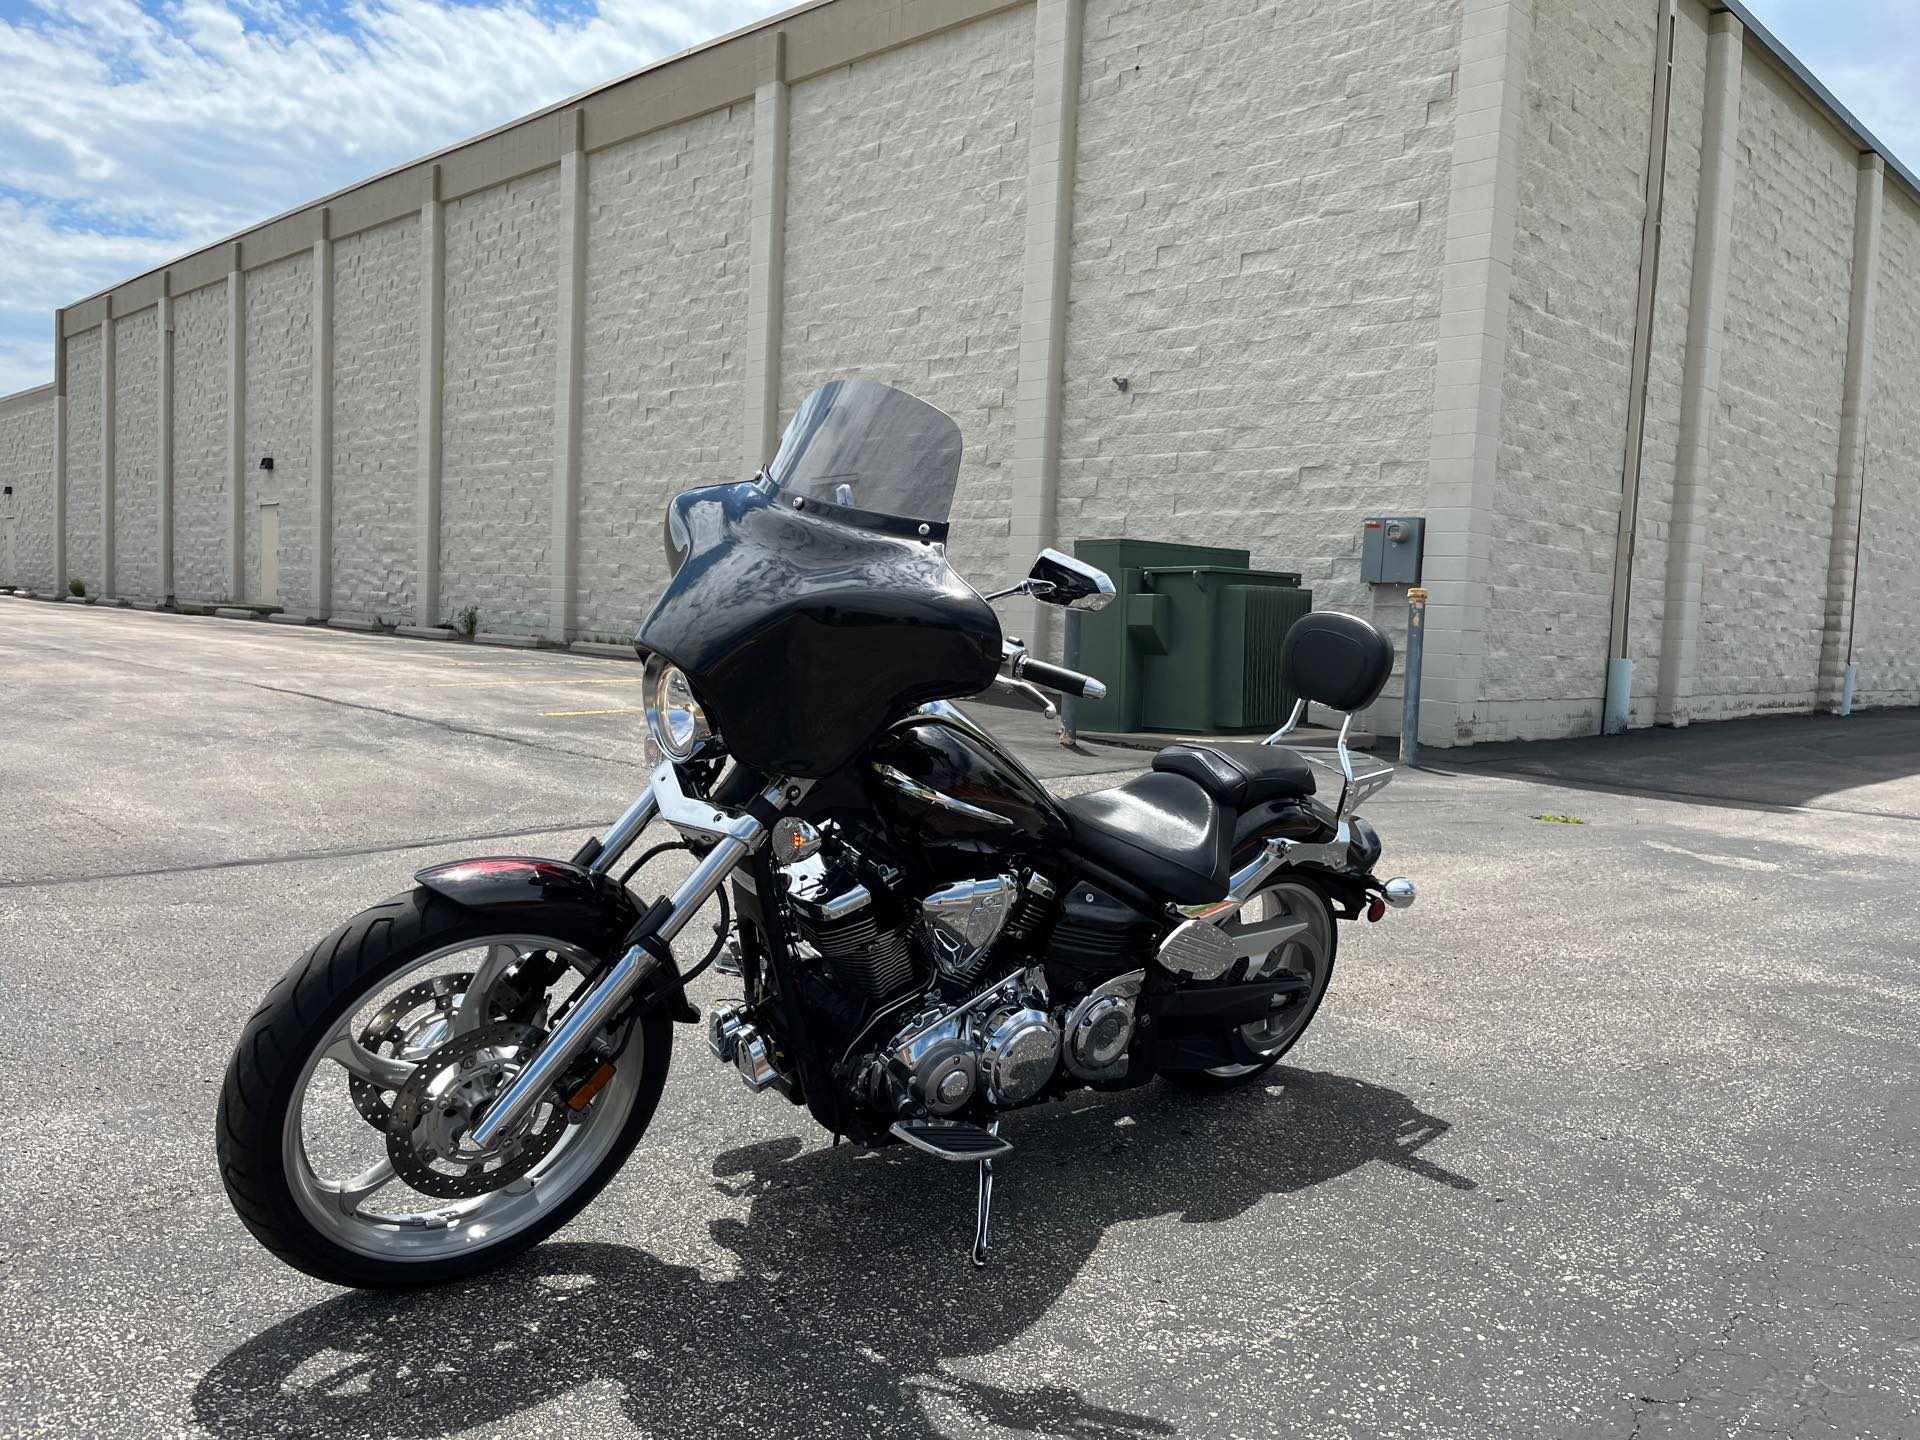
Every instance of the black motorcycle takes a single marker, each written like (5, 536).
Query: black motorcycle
(923, 936)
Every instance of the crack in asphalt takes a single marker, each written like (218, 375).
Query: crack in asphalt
(1642, 1402)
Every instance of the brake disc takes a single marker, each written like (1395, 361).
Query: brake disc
(427, 1126)
(399, 1033)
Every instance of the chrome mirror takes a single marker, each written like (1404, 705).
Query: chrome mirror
(1062, 580)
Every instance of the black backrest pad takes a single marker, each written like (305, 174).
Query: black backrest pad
(1339, 661)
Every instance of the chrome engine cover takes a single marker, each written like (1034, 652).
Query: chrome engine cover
(1097, 1032)
(961, 921)
(1002, 1045)
(1019, 1050)
(937, 1066)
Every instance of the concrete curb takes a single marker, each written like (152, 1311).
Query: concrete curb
(424, 632)
(603, 650)
(76, 600)
(512, 642)
(280, 617)
(368, 627)
(228, 612)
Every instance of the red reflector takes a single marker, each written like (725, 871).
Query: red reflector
(1376, 907)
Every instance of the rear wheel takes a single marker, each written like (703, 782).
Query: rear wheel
(1308, 953)
(343, 1122)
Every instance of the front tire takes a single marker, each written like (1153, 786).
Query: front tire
(309, 1026)
(1311, 955)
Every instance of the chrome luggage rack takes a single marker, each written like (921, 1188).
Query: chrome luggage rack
(1356, 785)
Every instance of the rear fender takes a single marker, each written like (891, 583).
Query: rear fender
(593, 910)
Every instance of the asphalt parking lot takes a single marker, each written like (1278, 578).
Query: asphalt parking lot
(1613, 1134)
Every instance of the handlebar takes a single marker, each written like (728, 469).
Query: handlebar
(1056, 677)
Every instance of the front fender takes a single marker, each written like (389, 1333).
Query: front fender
(594, 910)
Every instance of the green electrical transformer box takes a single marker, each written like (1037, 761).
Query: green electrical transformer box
(1191, 642)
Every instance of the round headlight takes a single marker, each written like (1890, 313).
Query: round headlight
(674, 717)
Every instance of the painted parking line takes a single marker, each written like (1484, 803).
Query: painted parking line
(617, 710)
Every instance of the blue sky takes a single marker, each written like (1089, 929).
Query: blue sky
(134, 130)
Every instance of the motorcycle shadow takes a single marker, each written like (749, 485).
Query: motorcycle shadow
(850, 1284)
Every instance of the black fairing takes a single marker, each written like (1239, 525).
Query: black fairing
(804, 632)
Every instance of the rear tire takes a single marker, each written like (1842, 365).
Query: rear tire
(1315, 959)
(275, 1063)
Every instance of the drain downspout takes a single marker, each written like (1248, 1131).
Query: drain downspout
(1619, 693)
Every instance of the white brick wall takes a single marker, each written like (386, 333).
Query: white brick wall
(279, 416)
(136, 493)
(1886, 637)
(201, 501)
(1582, 201)
(26, 516)
(83, 460)
(1260, 261)
(666, 316)
(499, 364)
(1272, 204)
(906, 202)
(1778, 441)
(376, 380)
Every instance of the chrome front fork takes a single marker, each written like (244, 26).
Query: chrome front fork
(619, 839)
(735, 837)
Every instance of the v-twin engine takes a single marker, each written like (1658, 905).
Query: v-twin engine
(1002, 1047)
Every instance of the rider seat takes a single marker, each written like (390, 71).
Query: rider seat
(1163, 832)
(1171, 831)
(1239, 776)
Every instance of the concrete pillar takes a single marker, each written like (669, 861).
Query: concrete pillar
(767, 240)
(1471, 361)
(1043, 305)
(59, 452)
(163, 433)
(236, 427)
(108, 383)
(1843, 556)
(322, 599)
(564, 564)
(1700, 374)
(433, 333)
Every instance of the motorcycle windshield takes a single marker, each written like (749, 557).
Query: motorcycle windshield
(866, 446)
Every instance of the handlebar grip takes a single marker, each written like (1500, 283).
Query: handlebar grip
(1067, 682)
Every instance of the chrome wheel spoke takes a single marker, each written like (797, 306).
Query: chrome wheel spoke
(475, 1009)
(452, 995)
(357, 1060)
(347, 1196)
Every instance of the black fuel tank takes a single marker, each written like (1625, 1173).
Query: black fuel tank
(941, 782)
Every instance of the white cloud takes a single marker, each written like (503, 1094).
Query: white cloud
(129, 135)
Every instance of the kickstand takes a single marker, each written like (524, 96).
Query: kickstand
(986, 1205)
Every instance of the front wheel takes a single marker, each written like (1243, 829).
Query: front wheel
(1308, 954)
(343, 1121)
